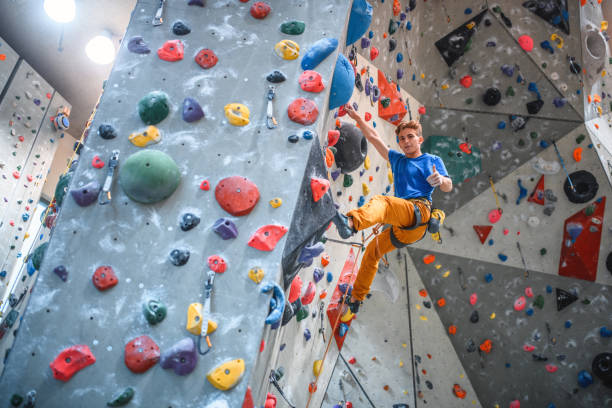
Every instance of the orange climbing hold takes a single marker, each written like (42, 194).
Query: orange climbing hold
(459, 392)
(452, 329)
(397, 7)
(319, 187)
(329, 157)
(324, 259)
(441, 302)
(486, 346)
(312, 387)
(427, 259)
(423, 293)
(577, 154)
(396, 110)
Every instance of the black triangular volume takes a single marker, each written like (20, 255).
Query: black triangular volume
(564, 299)
(553, 11)
(454, 44)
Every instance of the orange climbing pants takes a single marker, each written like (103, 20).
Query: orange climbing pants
(397, 212)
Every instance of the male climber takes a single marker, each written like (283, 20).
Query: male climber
(415, 175)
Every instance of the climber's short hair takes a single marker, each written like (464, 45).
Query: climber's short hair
(411, 124)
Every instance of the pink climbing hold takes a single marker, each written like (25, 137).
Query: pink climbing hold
(217, 264)
(319, 187)
(551, 368)
(311, 81)
(70, 361)
(16, 174)
(515, 404)
(303, 111)
(466, 81)
(526, 42)
(270, 401)
(528, 348)
(473, 299)
(495, 215)
(171, 51)
(422, 110)
(519, 304)
(296, 289)
(373, 53)
(205, 185)
(237, 195)
(266, 237)
(309, 294)
(506, 231)
(332, 137)
(528, 292)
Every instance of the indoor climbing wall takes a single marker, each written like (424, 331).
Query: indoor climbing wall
(196, 108)
(8, 59)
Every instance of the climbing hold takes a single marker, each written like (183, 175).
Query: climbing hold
(189, 221)
(324, 260)
(141, 354)
(519, 304)
(270, 401)
(459, 392)
(309, 252)
(342, 329)
(206, 58)
(138, 46)
(149, 136)
(601, 368)
(256, 275)
(61, 272)
(564, 299)
(260, 10)
(149, 176)
(332, 137)
(154, 311)
(605, 332)
(483, 232)
(287, 49)
(577, 154)
(466, 81)
(392, 44)
(194, 320)
(502, 257)
(172, 50)
(226, 375)
(266, 237)
(182, 357)
(428, 259)
(295, 290)
(121, 398)
(180, 28)
(70, 361)
(293, 27)
(237, 114)
(585, 187)
(154, 107)
(329, 277)
(491, 97)
(365, 43)
(217, 263)
(276, 202)
(317, 274)
(359, 20)
(318, 52)
(107, 132)
(474, 317)
(551, 368)
(192, 111)
(276, 77)
(534, 107)
(311, 81)
(343, 83)
(585, 378)
(237, 195)
(473, 299)
(225, 228)
(302, 313)
(319, 187)
(97, 162)
(309, 294)
(373, 53)
(508, 70)
(522, 192)
(104, 278)
(179, 257)
(86, 195)
(526, 42)
(205, 185)
(303, 111)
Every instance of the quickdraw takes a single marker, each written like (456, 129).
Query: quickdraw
(158, 20)
(105, 195)
(271, 122)
(208, 287)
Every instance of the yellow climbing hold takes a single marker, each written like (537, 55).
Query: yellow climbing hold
(237, 114)
(316, 367)
(557, 39)
(424, 318)
(287, 49)
(256, 275)
(366, 163)
(604, 25)
(404, 345)
(26, 236)
(276, 202)
(445, 275)
(347, 316)
(365, 188)
(390, 176)
(401, 363)
(492, 316)
(470, 25)
(194, 320)
(149, 136)
(603, 73)
(418, 307)
(226, 375)
(438, 266)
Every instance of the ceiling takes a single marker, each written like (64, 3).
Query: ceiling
(25, 26)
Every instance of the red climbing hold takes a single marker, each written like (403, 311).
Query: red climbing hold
(465, 148)
(237, 195)
(352, 360)
(206, 58)
(515, 404)
(97, 162)
(205, 185)
(16, 174)
(296, 289)
(483, 232)
(30, 178)
(217, 264)
(260, 10)
(341, 113)
(537, 195)
(526, 42)
(266, 237)
(459, 392)
(332, 137)
(70, 361)
(270, 401)
(466, 81)
(303, 111)
(319, 187)
(520, 303)
(248, 399)
(373, 53)
(422, 110)
(396, 110)
(367, 116)
(309, 294)
(311, 81)
(104, 278)
(141, 354)
(171, 51)
(397, 7)
(21, 138)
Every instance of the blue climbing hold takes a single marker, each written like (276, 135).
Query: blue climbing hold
(388, 189)
(2, 274)
(546, 46)
(544, 144)
(342, 329)
(605, 332)
(491, 242)
(318, 52)
(502, 257)
(31, 268)
(548, 289)
(529, 312)
(282, 346)
(468, 11)
(317, 274)
(277, 302)
(522, 192)
(25, 216)
(408, 25)
(310, 252)
(343, 83)
(489, 277)
(307, 334)
(568, 324)
(585, 378)
(551, 405)
(330, 276)
(400, 57)
(361, 201)
(508, 69)
(373, 124)
(359, 21)
(501, 125)
(371, 34)
(308, 134)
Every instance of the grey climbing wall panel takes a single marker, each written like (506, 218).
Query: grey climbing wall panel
(136, 239)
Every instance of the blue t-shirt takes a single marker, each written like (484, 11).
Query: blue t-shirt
(410, 175)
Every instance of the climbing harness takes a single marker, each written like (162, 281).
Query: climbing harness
(436, 219)
(274, 382)
(271, 122)
(158, 20)
(522, 259)
(105, 195)
(563, 165)
(208, 287)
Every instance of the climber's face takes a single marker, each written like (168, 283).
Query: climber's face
(410, 142)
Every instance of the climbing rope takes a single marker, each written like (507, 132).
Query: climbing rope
(563, 165)
(495, 194)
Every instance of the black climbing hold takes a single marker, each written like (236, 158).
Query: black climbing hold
(358, 83)
(491, 97)
(38, 255)
(392, 44)
(61, 272)
(474, 317)
(107, 132)
(180, 28)
(585, 187)
(574, 66)
(276, 77)
(602, 368)
(554, 12)
(487, 22)
(564, 299)
(609, 262)
(539, 357)
(293, 138)
(427, 304)
(411, 5)
(352, 148)
(392, 27)
(429, 384)
(30, 400)
(506, 20)
(16, 400)
(179, 257)
(455, 44)
(189, 221)
(470, 346)
(534, 107)
(288, 313)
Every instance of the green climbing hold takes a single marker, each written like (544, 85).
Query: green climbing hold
(61, 188)
(38, 254)
(580, 138)
(122, 398)
(543, 251)
(293, 27)
(302, 313)
(521, 142)
(468, 45)
(392, 27)
(533, 135)
(586, 302)
(589, 210)
(544, 65)
(154, 107)
(348, 180)
(510, 91)
(16, 400)
(469, 101)
(149, 176)
(497, 9)
(385, 102)
(154, 311)
(539, 302)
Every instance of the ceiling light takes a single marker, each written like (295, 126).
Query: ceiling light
(100, 50)
(61, 11)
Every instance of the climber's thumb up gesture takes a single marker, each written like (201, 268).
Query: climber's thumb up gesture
(434, 179)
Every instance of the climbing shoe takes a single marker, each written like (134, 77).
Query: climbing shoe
(342, 225)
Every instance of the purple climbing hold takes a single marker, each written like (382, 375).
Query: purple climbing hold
(138, 46)
(507, 69)
(86, 195)
(192, 111)
(368, 87)
(335, 174)
(317, 274)
(400, 73)
(61, 272)
(225, 228)
(307, 334)
(402, 16)
(375, 93)
(559, 102)
(182, 357)
(309, 252)
(365, 42)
